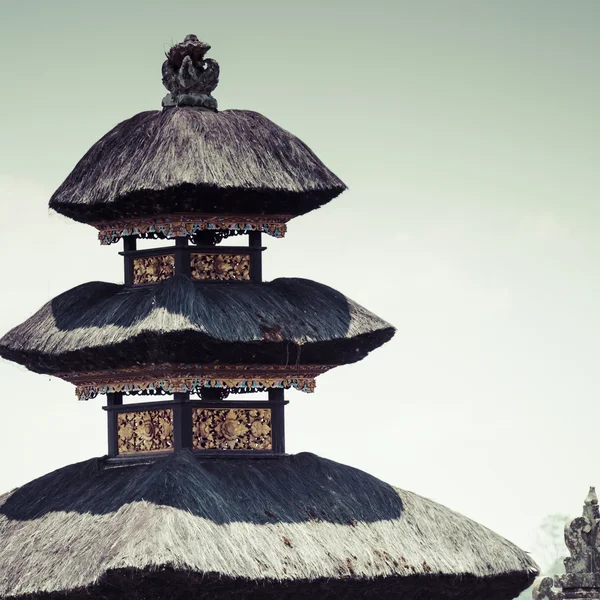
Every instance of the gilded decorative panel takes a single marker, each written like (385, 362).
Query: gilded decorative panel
(222, 267)
(145, 431)
(150, 269)
(232, 429)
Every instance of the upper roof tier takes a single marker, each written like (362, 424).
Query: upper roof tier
(191, 158)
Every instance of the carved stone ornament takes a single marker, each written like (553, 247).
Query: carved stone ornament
(189, 77)
(178, 378)
(543, 589)
(232, 429)
(145, 431)
(582, 577)
(151, 269)
(221, 267)
(187, 225)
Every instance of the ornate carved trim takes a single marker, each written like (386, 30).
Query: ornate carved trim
(232, 429)
(189, 76)
(145, 431)
(186, 225)
(150, 269)
(543, 589)
(177, 378)
(220, 267)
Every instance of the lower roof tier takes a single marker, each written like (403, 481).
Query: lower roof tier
(287, 322)
(298, 526)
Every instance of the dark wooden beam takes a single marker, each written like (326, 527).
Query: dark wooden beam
(211, 394)
(129, 245)
(182, 421)
(183, 259)
(115, 399)
(255, 241)
(276, 395)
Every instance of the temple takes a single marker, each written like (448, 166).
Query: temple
(193, 353)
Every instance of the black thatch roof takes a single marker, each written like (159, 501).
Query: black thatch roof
(182, 526)
(107, 326)
(187, 159)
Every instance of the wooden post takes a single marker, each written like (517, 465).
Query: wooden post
(255, 241)
(183, 257)
(277, 419)
(182, 421)
(129, 245)
(211, 394)
(114, 399)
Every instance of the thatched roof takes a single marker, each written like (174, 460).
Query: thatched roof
(186, 159)
(104, 325)
(184, 526)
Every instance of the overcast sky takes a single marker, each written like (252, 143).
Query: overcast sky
(467, 133)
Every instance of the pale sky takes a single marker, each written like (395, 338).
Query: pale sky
(467, 133)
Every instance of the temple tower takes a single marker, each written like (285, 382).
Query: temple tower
(197, 497)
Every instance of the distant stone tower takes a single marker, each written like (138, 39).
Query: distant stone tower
(582, 577)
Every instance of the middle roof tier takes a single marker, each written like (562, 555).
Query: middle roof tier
(285, 322)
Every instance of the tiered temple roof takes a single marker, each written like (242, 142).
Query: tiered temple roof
(296, 527)
(197, 497)
(291, 324)
(190, 167)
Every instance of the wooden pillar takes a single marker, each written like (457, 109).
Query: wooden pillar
(115, 399)
(276, 395)
(211, 394)
(255, 241)
(183, 257)
(129, 245)
(182, 421)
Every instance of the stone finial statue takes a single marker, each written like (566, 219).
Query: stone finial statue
(189, 77)
(582, 577)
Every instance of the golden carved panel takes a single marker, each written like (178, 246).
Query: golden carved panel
(145, 431)
(221, 267)
(150, 269)
(232, 429)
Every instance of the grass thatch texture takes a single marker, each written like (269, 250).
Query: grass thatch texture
(185, 159)
(103, 325)
(165, 583)
(282, 522)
